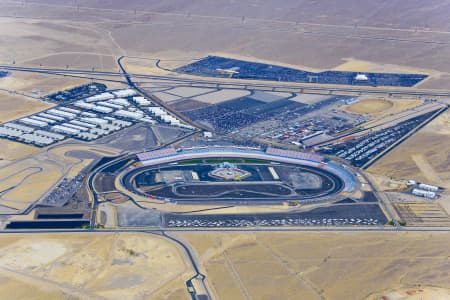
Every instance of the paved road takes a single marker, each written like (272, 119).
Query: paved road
(242, 84)
(234, 229)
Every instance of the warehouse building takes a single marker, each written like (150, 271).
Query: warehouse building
(129, 114)
(18, 127)
(125, 93)
(32, 122)
(65, 130)
(100, 97)
(61, 113)
(48, 121)
(52, 117)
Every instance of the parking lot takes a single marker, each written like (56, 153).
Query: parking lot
(338, 215)
(215, 66)
(360, 151)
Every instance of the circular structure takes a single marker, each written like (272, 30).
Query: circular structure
(235, 175)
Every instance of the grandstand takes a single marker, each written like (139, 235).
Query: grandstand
(295, 154)
(156, 154)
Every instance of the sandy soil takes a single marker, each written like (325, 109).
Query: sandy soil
(356, 65)
(221, 96)
(111, 266)
(309, 98)
(301, 34)
(381, 107)
(165, 96)
(27, 179)
(369, 106)
(12, 150)
(426, 149)
(186, 92)
(38, 85)
(320, 265)
(16, 106)
(413, 293)
(401, 110)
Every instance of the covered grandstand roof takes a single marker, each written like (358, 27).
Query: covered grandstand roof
(156, 154)
(295, 154)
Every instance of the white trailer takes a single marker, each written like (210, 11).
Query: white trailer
(428, 187)
(422, 193)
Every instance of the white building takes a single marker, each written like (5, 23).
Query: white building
(112, 105)
(142, 101)
(52, 135)
(48, 121)
(422, 193)
(53, 117)
(61, 113)
(362, 77)
(10, 132)
(428, 187)
(80, 128)
(22, 128)
(36, 139)
(120, 101)
(100, 97)
(32, 122)
(125, 93)
(65, 130)
(103, 109)
(95, 121)
(67, 109)
(128, 114)
(84, 105)
(83, 124)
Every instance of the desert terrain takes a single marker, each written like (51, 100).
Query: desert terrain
(25, 179)
(323, 265)
(82, 266)
(393, 37)
(158, 36)
(424, 156)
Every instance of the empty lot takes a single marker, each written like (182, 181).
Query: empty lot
(321, 265)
